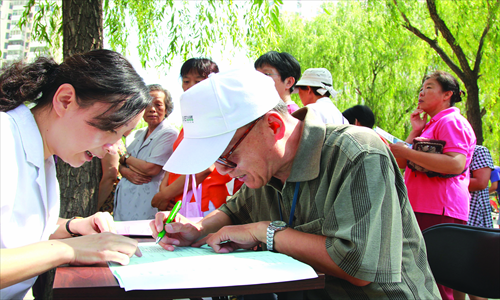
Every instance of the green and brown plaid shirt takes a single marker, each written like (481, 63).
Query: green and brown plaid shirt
(352, 192)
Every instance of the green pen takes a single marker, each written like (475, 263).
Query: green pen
(169, 219)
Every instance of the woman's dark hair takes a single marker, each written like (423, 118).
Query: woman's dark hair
(203, 66)
(362, 113)
(98, 76)
(447, 83)
(169, 104)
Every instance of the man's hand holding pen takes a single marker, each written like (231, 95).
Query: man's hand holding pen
(181, 232)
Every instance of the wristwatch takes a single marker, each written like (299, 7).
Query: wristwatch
(127, 155)
(271, 230)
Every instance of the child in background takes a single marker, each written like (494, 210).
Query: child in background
(214, 190)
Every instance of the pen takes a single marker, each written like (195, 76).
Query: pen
(169, 219)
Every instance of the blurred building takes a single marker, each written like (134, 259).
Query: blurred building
(16, 43)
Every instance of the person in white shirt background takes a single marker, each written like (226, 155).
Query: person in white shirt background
(315, 88)
(83, 106)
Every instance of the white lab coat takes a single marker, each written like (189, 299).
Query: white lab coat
(29, 193)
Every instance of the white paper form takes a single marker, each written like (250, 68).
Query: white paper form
(138, 227)
(189, 267)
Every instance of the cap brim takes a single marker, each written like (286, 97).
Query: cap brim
(194, 155)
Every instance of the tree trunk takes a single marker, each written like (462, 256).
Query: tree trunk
(82, 26)
(79, 188)
(82, 32)
(473, 109)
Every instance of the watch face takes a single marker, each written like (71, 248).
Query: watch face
(279, 223)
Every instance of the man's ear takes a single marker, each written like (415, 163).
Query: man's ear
(289, 82)
(64, 97)
(276, 123)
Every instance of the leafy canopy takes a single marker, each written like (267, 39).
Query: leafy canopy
(377, 62)
(166, 28)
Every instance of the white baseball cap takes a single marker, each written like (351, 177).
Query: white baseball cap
(317, 77)
(213, 110)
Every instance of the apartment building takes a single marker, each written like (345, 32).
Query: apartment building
(16, 43)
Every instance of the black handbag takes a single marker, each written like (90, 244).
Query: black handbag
(429, 146)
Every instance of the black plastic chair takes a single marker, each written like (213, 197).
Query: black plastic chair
(465, 258)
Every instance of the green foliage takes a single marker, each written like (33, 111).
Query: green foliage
(168, 28)
(377, 62)
(368, 55)
(474, 26)
(47, 22)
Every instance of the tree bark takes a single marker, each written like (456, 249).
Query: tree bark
(469, 76)
(82, 32)
(82, 26)
(473, 109)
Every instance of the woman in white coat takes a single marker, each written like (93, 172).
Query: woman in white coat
(83, 106)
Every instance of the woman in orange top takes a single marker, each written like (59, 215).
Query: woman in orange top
(214, 190)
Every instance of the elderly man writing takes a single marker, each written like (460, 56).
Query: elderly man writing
(328, 195)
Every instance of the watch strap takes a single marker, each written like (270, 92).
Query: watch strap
(127, 155)
(271, 231)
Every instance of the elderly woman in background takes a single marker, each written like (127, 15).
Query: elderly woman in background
(443, 198)
(141, 166)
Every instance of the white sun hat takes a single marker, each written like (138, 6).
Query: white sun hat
(317, 77)
(213, 110)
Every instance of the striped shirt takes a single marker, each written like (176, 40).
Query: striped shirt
(352, 192)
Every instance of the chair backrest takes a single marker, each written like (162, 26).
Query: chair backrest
(465, 258)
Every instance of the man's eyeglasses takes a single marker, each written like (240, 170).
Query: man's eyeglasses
(223, 160)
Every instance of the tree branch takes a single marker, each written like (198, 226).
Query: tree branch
(479, 53)
(448, 36)
(433, 43)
